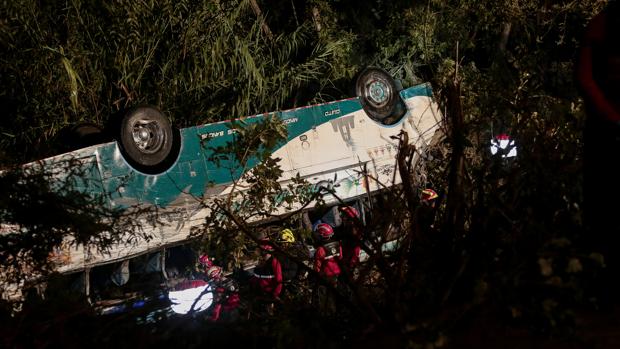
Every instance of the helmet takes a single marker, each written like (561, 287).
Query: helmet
(325, 231)
(429, 194)
(287, 236)
(349, 212)
(204, 260)
(214, 272)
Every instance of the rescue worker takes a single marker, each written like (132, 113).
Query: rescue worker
(267, 275)
(289, 267)
(351, 236)
(351, 218)
(327, 259)
(225, 296)
(328, 254)
(313, 218)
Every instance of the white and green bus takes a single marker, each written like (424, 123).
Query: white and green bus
(152, 165)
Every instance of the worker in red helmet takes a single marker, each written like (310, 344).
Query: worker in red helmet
(328, 254)
(351, 235)
(327, 259)
(267, 275)
(349, 212)
(225, 298)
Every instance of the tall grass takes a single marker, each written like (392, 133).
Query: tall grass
(76, 61)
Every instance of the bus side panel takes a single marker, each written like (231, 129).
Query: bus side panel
(334, 153)
(328, 144)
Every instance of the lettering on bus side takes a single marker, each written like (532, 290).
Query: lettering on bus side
(290, 121)
(213, 134)
(332, 112)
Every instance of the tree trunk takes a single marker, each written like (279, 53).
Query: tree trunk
(454, 205)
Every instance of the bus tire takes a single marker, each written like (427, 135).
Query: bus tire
(378, 94)
(147, 139)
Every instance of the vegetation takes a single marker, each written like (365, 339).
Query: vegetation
(507, 241)
(80, 62)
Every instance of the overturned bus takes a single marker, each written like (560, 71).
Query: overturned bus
(153, 165)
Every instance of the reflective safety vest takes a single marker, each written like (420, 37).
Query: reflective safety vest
(264, 271)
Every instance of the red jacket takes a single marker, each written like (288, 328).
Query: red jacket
(352, 246)
(226, 301)
(327, 258)
(352, 254)
(268, 277)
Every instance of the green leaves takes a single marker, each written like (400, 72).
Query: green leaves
(45, 214)
(197, 61)
(259, 194)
